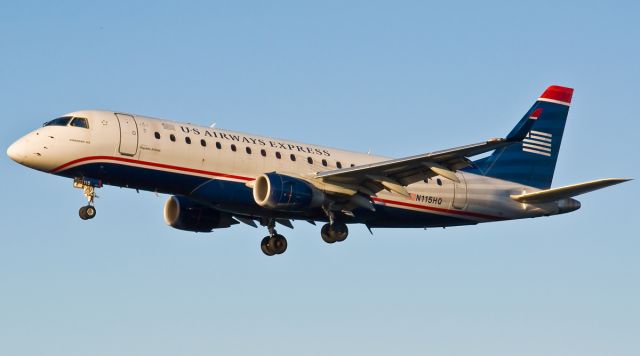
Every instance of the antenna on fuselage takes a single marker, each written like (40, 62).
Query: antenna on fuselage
(213, 125)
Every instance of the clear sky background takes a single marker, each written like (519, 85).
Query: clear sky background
(396, 77)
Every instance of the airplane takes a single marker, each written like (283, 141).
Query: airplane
(218, 178)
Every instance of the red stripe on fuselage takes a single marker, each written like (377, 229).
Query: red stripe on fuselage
(151, 164)
(440, 210)
(231, 176)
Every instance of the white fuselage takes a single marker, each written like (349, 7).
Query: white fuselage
(162, 149)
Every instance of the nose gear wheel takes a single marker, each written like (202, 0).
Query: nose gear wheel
(88, 187)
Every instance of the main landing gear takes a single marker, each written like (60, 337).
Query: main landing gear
(336, 232)
(88, 187)
(274, 244)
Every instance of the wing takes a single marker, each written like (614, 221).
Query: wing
(396, 174)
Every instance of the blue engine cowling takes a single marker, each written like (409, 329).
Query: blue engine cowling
(281, 192)
(185, 214)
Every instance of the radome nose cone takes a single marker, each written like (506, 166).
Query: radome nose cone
(15, 152)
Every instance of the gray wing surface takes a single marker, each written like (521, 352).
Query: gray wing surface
(395, 174)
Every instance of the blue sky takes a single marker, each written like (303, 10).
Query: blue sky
(397, 77)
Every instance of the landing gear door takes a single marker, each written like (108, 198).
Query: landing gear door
(128, 135)
(460, 192)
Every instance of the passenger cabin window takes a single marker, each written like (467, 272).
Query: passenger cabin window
(80, 122)
(278, 155)
(233, 148)
(310, 160)
(187, 140)
(248, 150)
(293, 157)
(324, 162)
(172, 137)
(218, 145)
(203, 143)
(263, 152)
(352, 165)
(439, 181)
(338, 164)
(61, 121)
(157, 135)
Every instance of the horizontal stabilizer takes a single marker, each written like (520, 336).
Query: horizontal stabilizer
(569, 191)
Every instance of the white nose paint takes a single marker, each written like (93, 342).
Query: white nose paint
(25, 151)
(17, 151)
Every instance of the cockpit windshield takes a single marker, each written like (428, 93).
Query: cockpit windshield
(64, 121)
(80, 122)
(61, 121)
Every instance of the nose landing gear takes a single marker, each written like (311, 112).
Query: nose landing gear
(88, 187)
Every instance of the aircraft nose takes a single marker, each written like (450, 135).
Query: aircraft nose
(16, 151)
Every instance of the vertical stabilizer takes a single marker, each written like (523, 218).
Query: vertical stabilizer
(533, 160)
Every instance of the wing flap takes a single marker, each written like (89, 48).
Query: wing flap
(569, 191)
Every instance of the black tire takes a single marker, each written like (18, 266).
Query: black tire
(281, 244)
(278, 244)
(340, 231)
(83, 213)
(326, 234)
(264, 246)
(90, 211)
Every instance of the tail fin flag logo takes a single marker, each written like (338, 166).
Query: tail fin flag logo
(538, 142)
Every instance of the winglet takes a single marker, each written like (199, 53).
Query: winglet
(523, 130)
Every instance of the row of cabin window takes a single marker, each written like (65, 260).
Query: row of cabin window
(263, 152)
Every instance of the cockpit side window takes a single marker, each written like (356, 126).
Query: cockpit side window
(61, 121)
(80, 122)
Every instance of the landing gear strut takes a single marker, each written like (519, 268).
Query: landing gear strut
(274, 244)
(334, 232)
(88, 187)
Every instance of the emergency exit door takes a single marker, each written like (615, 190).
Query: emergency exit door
(128, 135)
(460, 192)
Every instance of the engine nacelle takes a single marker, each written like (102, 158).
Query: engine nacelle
(285, 193)
(185, 214)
